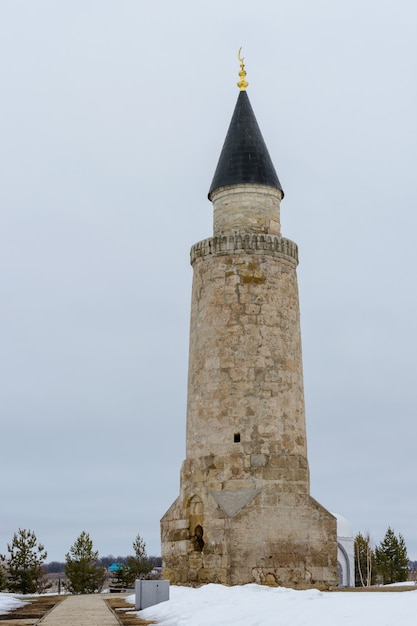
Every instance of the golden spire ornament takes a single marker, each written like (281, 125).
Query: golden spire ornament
(242, 84)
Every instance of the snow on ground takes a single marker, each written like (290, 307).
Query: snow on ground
(9, 602)
(254, 605)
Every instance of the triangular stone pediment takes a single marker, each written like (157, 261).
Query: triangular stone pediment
(233, 501)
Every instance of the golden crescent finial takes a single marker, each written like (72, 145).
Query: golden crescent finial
(242, 84)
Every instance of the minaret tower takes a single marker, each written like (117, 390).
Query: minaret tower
(244, 513)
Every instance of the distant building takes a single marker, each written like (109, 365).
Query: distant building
(115, 567)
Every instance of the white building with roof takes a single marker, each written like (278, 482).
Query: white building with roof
(345, 552)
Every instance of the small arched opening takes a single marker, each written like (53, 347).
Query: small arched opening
(196, 522)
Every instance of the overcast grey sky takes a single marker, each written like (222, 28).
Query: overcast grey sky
(113, 115)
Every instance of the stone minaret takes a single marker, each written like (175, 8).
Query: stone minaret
(244, 513)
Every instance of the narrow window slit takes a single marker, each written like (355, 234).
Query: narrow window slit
(236, 438)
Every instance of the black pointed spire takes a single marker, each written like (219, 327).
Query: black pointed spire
(244, 157)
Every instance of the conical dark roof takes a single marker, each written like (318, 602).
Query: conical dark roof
(244, 157)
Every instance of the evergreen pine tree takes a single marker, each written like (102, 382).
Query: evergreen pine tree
(2, 573)
(391, 558)
(24, 570)
(82, 569)
(137, 566)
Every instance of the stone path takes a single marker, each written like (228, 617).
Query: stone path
(88, 610)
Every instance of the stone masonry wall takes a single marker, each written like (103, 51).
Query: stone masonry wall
(246, 209)
(244, 513)
(245, 366)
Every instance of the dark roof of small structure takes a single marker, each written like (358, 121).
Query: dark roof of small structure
(244, 157)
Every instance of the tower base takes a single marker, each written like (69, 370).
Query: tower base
(242, 534)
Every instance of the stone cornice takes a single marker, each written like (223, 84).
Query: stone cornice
(261, 244)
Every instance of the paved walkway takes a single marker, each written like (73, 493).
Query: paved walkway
(88, 610)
